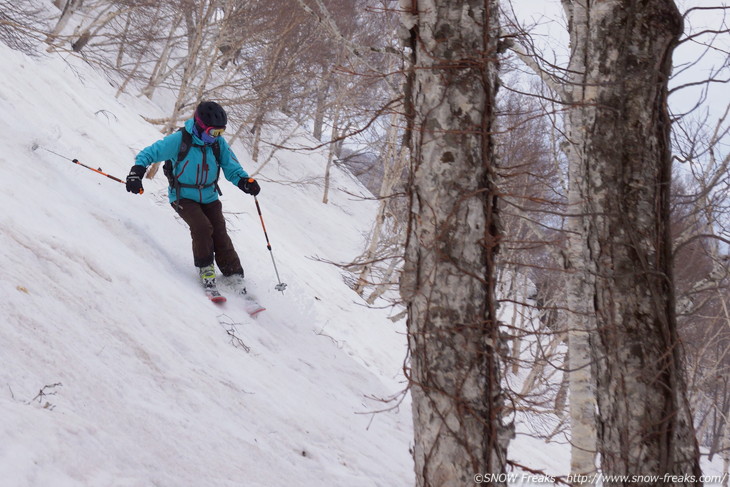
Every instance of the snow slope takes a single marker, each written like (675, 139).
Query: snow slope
(116, 371)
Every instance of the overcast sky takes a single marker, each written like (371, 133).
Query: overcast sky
(548, 26)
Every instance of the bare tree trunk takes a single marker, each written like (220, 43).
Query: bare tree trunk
(582, 390)
(190, 69)
(158, 73)
(725, 456)
(198, 23)
(209, 55)
(196, 27)
(69, 9)
(448, 277)
(87, 33)
(331, 154)
(258, 125)
(320, 108)
(394, 163)
(621, 260)
(386, 282)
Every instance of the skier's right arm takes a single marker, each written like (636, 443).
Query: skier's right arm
(161, 150)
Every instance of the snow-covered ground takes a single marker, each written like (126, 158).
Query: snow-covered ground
(101, 309)
(115, 370)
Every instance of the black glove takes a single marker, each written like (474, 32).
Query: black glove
(134, 179)
(250, 186)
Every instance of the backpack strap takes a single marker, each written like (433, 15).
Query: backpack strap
(217, 154)
(185, 144)
(170, 168)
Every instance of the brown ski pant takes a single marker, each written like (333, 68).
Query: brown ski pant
(210, 238)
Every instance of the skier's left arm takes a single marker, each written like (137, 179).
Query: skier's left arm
(234, 172)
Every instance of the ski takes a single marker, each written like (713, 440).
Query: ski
(211, 291)
(252, 307)
(235, 287)
(215, 296)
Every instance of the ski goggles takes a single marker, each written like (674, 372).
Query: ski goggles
(210, 131)
(215, 132)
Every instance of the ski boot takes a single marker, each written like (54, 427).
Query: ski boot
(207, 278)
(237, 283)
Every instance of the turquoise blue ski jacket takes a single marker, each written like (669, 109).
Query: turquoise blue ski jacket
(198, 168)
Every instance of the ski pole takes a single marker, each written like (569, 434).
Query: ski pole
(281, 286)
(76, 161)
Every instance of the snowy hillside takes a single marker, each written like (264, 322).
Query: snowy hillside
(117, 371)
(144, 382)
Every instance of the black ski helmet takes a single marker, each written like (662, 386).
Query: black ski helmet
(211, 114)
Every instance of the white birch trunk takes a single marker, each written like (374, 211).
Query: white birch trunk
(581, 271)
(620, 250)
(448, 276)
(725, 455)
(159, 72)
(394, 163)
(69, 9)
(331, 154)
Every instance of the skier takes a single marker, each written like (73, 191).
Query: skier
(194, 157)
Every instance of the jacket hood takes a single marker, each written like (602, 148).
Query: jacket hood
(189, 126)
